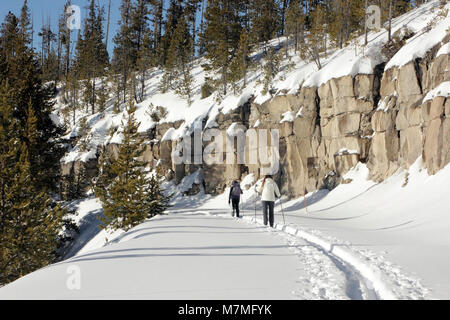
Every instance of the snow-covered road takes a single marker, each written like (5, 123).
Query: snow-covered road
(360, 241)
(178, 256)
(196, 255)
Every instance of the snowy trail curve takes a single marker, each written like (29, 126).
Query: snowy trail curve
(199, 255)
(176, 256)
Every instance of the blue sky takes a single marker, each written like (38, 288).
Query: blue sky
(53, 9)
(43, 9)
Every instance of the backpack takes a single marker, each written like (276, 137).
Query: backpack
(236, 192)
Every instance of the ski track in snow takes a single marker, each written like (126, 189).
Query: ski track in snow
(381, 271)
(404, 286)
(337, 271)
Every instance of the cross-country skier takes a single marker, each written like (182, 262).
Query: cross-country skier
(235, 197)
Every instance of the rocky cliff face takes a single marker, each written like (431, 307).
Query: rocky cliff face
(378, 119)
(405, 128)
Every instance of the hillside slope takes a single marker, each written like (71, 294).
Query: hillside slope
(366, 138)
(363, 240)
(360, 107)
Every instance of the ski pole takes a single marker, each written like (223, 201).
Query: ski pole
(241, 210)
(256, 198)
(305, 204)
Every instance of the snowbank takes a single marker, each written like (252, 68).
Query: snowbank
(352, 60)
(443, 90)
(426, 38)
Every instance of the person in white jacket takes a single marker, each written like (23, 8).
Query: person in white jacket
(269, 190)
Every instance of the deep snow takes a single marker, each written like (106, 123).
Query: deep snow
(177, 256)
(363, 240)
(427, 22)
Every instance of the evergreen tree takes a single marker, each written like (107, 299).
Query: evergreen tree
(295, 22)
(92, 57)
(19, 67)
(178, 64)
(25, 24)
(241, 62)
(315, 38)
(122, 59)
(224, 23)
(127, 195)
(30, 155)
(265, 20)
(191, 9)
(73, 184)
(145, 59)
(157, 18)
(338, 24)
(29, 225)
(283, 15)
(48, 55)
(142, 55)
(270, 69)
(174, 13)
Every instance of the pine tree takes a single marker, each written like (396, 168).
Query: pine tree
(128, 197)
(156, 198)
(19, 67)
(145, 60)
(25, 23)
(48, 55)
(178, 63)
(224, 22)
(83, 139)
(191, 8)
(265, 18)
(295, 22)
(241, 62)
(201, 42)
(174, 14)
(29, 225)
(270, 69)
(122, 59)
(315, 39)
(157, 17)
(73, 184)
(71, 94)
(92, 57)
(142, 46)
(338, 24)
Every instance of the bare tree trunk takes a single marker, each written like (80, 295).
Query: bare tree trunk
(283, 15)
(224, 80)
(390, 22)
(302, 26)
(201, 44)
(107, 24)
(157, 23)
(365, 25)
(143, 84)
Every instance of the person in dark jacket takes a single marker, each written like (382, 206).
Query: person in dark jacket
(235, 197)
